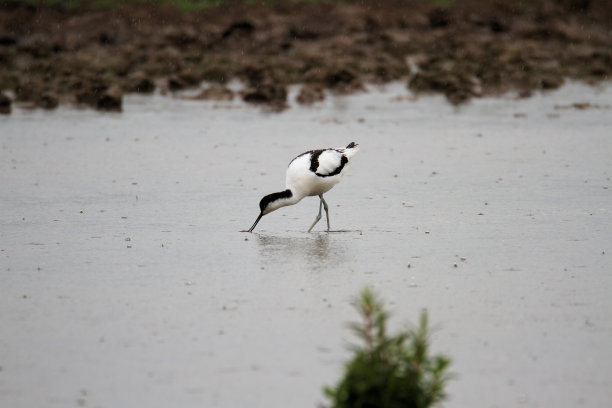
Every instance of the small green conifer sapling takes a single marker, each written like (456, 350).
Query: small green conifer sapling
(389, 371)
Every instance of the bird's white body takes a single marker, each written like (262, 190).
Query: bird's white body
(312, 173)
(302, 180)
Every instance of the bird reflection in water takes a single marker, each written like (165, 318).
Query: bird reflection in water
(301, 252)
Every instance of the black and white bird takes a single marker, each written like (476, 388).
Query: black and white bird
(312, 173)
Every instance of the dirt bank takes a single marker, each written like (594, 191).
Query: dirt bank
(54, 55)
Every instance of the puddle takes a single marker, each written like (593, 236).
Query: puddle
(124, 274)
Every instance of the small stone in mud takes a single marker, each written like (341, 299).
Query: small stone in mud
(273, 94)
(551, 82)
(457, 97)
(581, 106)
(7, 39)
(28, 89)
(5, 104)
(239, 28)
(457, 88)
(175, 83)
(215, 92)
(189, 77)
(89, 91)
(439, 17)
(182, 80)
(111, 100)
(254, 74)
(215, 74)
(48, 100)
(310, 94)
(343, 80)
(139, 82)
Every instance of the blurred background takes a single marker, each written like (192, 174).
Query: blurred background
(93, 52)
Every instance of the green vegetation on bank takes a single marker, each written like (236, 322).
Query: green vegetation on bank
(390, 371)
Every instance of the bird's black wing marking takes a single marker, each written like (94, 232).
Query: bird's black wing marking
(337, 170)
(326, 171)
(305, 153)
(314, 160)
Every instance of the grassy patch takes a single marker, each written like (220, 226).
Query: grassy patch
(389, 371)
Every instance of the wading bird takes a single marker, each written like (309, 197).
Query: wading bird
(312, 173)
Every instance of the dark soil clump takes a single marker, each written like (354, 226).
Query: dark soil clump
(5, 104)
(110, 100)
(272, 94)
(51, 54)
(310, 94)
(139, 82)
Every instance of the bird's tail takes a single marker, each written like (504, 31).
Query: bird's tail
(351, 149)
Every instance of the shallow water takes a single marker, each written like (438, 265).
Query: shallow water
(125, 281)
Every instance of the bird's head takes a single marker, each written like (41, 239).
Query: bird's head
(351, 149)
(273, 202)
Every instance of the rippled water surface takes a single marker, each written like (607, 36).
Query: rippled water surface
(124, 279)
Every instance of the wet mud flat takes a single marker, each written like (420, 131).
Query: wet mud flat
(124, 279)
(51, 55)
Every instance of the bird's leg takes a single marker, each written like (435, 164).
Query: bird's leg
(326, 210)
(318, 215)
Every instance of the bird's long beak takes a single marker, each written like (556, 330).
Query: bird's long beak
(256, 221)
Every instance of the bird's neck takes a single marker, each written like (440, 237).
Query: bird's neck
(294, 199)
(280, 199)
(296, 196)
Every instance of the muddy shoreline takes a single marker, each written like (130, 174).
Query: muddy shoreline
(53, 55)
